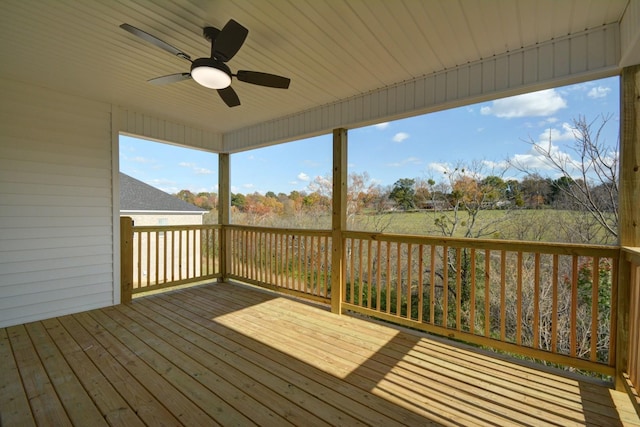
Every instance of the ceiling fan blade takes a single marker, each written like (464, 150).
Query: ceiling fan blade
(263, 79)
(229, 96)
(229, 41)
(171, 78)
(155, 41)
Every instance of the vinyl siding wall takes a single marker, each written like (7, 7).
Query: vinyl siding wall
(56, 204)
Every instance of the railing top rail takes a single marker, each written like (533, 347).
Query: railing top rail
(631, 254)
(175, 227)
(274, 230)
(506, 245)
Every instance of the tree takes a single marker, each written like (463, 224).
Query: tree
(238, 200)
(590, 181)
(403, 193)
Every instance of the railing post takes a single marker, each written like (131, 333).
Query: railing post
(338, 218)
(629, 214)
(224, 214)
(126, 259)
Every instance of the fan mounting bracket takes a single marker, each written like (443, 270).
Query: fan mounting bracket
(210, 33)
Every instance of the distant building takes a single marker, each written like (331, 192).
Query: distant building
(147, 205)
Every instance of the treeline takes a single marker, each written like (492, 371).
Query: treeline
(493, 192)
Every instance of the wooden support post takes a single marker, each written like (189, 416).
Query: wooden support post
(224, 214)
(629, 214)
(126, 259)
(338, 218)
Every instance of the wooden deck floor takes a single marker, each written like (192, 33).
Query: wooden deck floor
(229, 355)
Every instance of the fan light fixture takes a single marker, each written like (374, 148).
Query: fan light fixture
(211, 73)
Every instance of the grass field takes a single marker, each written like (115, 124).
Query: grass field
(534, 225)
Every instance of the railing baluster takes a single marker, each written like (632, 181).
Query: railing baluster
(409, 281)
(458, 288)
(420, 282)
(369, 268)
(519, 300)
(399, 279)
(487, 293)
(595, 302)
(536, 301)
(554, 310)
(573, 331)
(472, 293)
(432, 290)
(445, 286)
(503, 295)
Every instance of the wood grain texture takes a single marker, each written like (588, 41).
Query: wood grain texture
(229, 354)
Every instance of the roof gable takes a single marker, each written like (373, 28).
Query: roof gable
(136, 195)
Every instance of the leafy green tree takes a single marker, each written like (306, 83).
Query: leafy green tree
(404, 193)
(238, 200)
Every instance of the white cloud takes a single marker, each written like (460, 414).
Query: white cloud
(542, 103)
(438, 167)
(565, 133)
(195, 168)
(140, 159)
(248, 186)
(202, 171)
(599, 92)
(303, 176)
(381, 126)
(400, 136)
(404, 162)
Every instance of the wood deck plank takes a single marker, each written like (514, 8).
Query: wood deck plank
(227, 394)
(79, 406)
(45, 404)
(230, 354)
(292, 403)
(108, 401)
(14, 406)
(162, 389)
(292, 370)
(475, 401)
(142, 402)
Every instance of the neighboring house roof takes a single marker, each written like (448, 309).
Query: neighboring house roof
(135, 195)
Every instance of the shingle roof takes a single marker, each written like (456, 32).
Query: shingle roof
(135, 195)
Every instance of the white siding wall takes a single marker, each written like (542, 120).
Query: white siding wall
(142, 125)
(56, 204)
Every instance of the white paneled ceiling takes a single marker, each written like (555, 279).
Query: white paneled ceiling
(332, 50)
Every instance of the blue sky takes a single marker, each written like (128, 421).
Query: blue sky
(488, 133)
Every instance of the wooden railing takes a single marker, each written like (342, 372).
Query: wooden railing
(291, 261)
(165, 256)
(632, 257)
(553, 302)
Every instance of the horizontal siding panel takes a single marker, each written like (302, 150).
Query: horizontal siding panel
(138, 124)
(12, 177)
(18, 233)
(62, 273)
(52, 244)
(33, 266)
(52, 285)
(38, 189)
(56, 204)
(58, 307)
(40, 255)
(30, 211)
(22, 301)
(29, 200)
(54, 168)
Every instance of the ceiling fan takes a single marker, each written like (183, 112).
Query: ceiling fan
(212, 72)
